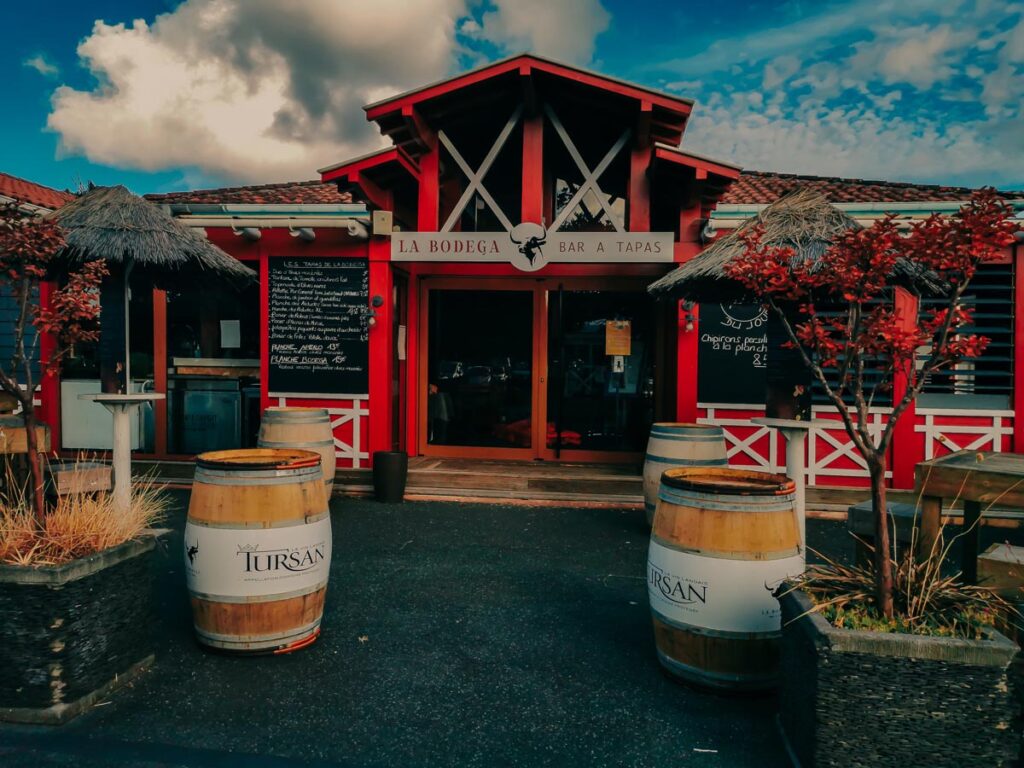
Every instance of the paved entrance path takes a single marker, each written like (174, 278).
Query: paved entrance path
(455, 634)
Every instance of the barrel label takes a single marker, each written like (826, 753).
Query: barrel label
(257, 562)
(715, 593)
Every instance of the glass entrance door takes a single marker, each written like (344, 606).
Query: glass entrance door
(480, 373)
(536, 369)
(600, 384)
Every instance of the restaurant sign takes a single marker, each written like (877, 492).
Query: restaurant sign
(530, 247)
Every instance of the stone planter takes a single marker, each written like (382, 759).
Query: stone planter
(857, 698)
(70, 634)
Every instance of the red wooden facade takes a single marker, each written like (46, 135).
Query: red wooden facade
(524, 141)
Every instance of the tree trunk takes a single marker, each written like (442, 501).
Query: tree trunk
(883, 561)
(35, 468)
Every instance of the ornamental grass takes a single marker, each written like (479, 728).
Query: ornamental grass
(76, 525)
(925, 600)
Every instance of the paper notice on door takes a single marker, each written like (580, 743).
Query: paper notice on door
(617, 337)
(230, 334)
(400, 342)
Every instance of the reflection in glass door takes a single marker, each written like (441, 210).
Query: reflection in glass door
(479, 368)
(600, 390)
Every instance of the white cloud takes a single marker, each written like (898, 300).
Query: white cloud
(920, 55)
(566, 29)
(248, 90)
(857, 141)
(42, 65)
(898, 89)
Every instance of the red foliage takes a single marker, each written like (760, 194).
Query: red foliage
(854, 274)
(28, 247)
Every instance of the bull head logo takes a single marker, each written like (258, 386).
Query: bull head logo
(529, 237)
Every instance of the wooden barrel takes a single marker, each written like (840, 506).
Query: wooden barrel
(679, 445)
(722, 540)
(257, 549)
(305, 428)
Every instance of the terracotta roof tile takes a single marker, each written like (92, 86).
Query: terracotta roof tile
(34, 194)
(755, 187)
(292, 192)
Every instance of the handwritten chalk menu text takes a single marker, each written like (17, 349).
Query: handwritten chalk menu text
(318, 331)
(731, 354)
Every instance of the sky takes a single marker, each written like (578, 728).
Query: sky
(163, 95)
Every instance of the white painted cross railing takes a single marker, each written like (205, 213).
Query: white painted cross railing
(340, 416)
(840, 446)
(757, 446)
(737, 445)
(986, 434)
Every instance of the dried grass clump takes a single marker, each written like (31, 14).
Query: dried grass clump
(925, 601)
(77, 526)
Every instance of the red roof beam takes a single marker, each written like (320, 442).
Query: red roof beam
(702, 166)
(526, 65)
(350, 169)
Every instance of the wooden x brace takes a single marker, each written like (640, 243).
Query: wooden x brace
(476, 179)
(589, 177)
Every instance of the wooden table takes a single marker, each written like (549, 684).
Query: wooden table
(976, 479)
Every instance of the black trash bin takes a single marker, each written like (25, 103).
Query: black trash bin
(390, 469)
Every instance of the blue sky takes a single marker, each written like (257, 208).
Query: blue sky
(163, 94)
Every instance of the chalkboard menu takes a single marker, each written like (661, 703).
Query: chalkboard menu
(318, 331)
(731, 354)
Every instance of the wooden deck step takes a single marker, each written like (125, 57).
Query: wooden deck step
(509, 480)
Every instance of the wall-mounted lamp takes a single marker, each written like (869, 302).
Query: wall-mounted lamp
(252, 234)
(371, 314)
(688, 315)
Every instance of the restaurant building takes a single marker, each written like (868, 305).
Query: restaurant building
(477, 290)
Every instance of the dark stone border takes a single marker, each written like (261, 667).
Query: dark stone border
(73, 633)
(58, 714)
(59, 575)
(858, 698)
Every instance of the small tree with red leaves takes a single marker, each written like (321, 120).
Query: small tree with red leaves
(855, 276)
(28, 247)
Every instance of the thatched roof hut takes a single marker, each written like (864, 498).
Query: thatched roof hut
(112, 224)
(803, 220)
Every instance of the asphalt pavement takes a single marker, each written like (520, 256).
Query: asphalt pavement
(454, 635)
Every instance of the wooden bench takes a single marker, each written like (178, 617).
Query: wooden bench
(860, 521)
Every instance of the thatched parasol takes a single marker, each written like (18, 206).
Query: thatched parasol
(134, 236)
(804, 220)
(123, 229)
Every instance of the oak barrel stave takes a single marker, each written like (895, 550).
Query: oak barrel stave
(257, 549)
(719, 537)
(307, 429)
(679, 444)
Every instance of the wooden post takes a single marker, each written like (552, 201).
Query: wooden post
(686, 363)
(931, 520)
(904, 455)
(969, 541)
(639, 189)
(264, 269)
(113, 372)
(533, 170)
(429, 183)
(1018, 347)
(381, 340)
(49, 385)
(160, 371)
